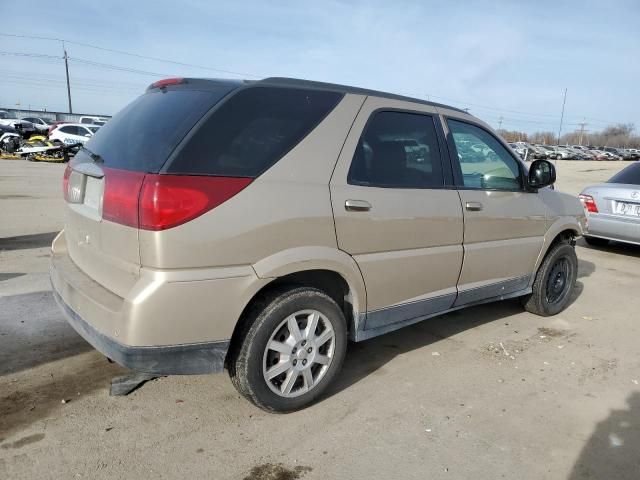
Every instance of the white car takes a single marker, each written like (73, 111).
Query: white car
(86, 120)
(72, 133)
(40, 123)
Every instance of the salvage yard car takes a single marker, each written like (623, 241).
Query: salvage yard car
(259, 226)
(70, 133)
(613, 208)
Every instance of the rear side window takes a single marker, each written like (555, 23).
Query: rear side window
(142, 135)
(397, 150)
(252, 130)
(628, 176)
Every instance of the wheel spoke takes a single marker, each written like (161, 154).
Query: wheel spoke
(321, 359)
(279, 347)
(278, 369)
(324, 337)
(289, 381)
(312, 324)
(294, 329)
(308, 378)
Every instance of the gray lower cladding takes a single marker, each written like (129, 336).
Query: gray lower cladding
(387, 320)
(188, 359)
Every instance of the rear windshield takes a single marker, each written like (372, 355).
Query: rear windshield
(251, 131)
(628, 176)
(142, 135)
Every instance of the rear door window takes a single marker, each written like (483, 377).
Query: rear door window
(397, 150)
(252, 130)
(142, 135)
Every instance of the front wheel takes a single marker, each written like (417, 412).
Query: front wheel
(293, 347)
(554, 281)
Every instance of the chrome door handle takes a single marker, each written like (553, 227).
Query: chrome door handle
(473, 206)
(357, 206)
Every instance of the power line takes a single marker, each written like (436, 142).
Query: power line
(137, 55)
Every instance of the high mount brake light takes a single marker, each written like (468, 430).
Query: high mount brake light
(589, 203)
(166, 82)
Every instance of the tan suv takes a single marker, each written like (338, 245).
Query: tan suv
(259, 226)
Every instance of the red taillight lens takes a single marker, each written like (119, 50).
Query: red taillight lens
(167, 201)
(589, 203)
(166, 82)
(65, 182)
(120, 199)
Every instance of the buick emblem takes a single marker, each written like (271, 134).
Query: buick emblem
(74, 193)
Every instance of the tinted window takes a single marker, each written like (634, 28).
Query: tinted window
(628, 176)
(398, 150)
(142, 136)
(69, 129)
(485, 163)
(85, 120)
(252, 130)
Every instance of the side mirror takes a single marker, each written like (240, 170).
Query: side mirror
(542, 173)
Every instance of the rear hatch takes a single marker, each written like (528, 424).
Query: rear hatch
(102, 184)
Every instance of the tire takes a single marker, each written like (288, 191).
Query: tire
(299, 354)
(596, 242)
(561, 267)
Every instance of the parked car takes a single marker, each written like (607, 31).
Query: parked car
(87, 120)
(611, 155)
(519, 149)
(551, 151)
(619, 152)
(264, 233)
(24, 128)
(613, 208)
(71, 133)
(39, 123)
(599, 155)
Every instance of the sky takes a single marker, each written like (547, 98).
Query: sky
(507, 61)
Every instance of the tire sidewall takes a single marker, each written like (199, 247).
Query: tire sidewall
(260, 333)
(562, 251)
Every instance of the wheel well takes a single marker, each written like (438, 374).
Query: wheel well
(330, 282)
(567, 236)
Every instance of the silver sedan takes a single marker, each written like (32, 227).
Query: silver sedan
(613, 208)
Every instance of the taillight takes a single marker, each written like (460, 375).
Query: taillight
(589, 203)
(167, 201)
(120, 198)
(65, 182)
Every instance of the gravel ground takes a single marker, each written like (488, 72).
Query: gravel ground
(489, 392)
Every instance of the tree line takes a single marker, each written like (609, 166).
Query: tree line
(620, 135)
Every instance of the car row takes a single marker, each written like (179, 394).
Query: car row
(530, 151)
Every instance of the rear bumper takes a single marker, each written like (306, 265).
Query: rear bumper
(197, 358)
(614, 228)
(167, 321)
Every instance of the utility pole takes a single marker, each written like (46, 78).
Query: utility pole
(66, 68)
(500, 123)
(564, 100)
(582, 131)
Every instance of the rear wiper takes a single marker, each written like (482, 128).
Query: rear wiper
(94, 156)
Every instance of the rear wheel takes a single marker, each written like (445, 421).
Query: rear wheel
(554, 281)
(596, 242)
(292, 348)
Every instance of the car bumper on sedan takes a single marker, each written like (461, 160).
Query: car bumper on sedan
(614, 227)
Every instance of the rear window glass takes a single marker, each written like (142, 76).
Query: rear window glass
(628, 176)
(252, 130)
(142, 135)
